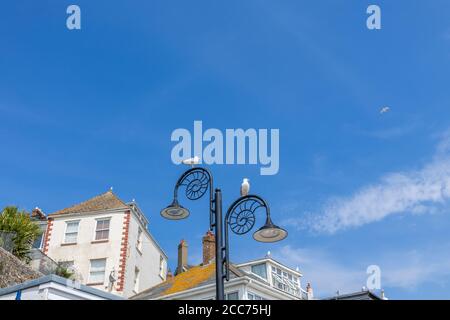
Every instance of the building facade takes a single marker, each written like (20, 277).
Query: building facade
(52, 287)
(263, 279)
(105, 242)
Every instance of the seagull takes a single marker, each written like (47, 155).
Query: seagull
(384, 110)
(191, 161)
(245, 187)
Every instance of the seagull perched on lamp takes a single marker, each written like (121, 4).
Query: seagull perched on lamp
(191, 161)
(245, 187)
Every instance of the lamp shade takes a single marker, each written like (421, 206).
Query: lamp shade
(270, 232)
(175, 211)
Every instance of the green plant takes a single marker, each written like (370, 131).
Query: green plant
(24, 229)
(63, 272)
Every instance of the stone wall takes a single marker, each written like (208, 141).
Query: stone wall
(14, 271)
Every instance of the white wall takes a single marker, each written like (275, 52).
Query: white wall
(51, 291)
(147, 260)
(87, 249)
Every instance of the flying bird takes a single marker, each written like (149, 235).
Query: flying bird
(245, 187)
(191, 161)
(384, 110)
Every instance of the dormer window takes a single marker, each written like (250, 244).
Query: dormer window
(260, 270)
(285, 281)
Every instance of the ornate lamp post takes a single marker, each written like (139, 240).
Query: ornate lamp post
(240, 218)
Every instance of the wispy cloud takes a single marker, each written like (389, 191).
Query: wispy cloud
(418, 191)
(326, 275)
(400, 269)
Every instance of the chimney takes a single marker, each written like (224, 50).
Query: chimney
(309, 291)
(182, 256)
(209, 247)
(38, 214)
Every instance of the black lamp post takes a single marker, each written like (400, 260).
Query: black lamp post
(240, 218)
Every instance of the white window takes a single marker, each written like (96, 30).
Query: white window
(71, 234)
(97, 271)
(139, 240)
(252, 296)
(232, 296)
(260, 270)
(102, 229)
(37, 244)
(161, 266)
(136, 279)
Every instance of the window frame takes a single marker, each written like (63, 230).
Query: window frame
(232, 292)
(101, 230)
(140, 239)
(77, 232)
(265, 270)
(249, 293)
(137, 274)
(90, 282)
(161, 266)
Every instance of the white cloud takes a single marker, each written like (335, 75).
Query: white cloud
(326, 276)
(407, 270)
(418, 191)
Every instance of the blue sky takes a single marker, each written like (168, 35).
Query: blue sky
(88, 109)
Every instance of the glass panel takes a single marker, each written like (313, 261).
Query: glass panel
(37, 243)
(102, 224)
(72, 227)
(97, 277)
(71, 237)
(98, 265)
(97, 272)
(69, 265)
(232, 296)
(102, 235)
(260, 270)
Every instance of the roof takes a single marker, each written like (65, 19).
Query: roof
(272, 260)
(362, 295)
(192, 278)
(61, 281)
(105, 201)
(108, 201)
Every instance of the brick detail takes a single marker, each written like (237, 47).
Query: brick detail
(209, 247)
(123, 251)
(48, 234)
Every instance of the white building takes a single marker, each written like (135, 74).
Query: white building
(263, 279)
(52, 287)
(105, 241)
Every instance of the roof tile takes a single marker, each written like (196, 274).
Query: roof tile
(105, 201)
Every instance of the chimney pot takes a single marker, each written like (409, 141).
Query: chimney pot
(182, 256)
(209, 247)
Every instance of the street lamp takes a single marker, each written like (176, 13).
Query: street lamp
(240, 218)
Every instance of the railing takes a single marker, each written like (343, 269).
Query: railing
(286, 285)
(42, 263)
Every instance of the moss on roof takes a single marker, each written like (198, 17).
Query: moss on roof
(191, 278)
